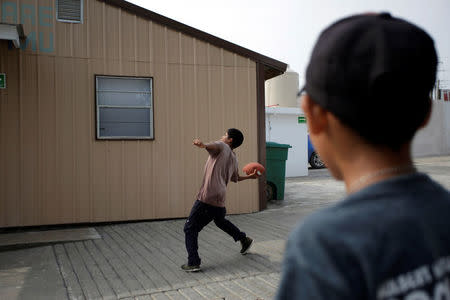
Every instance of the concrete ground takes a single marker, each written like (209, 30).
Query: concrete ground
(142, 260)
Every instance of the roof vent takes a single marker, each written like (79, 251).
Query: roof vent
(69, 11)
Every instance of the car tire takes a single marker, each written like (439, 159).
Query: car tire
(270, 191)
(315, 161)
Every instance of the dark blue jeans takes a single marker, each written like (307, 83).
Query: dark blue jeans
(201, 214)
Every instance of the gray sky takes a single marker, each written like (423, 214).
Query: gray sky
(287, 29)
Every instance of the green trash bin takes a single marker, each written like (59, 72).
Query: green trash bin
(276, 156)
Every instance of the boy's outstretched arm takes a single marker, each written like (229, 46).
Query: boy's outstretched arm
(198, 143)
(210, 147)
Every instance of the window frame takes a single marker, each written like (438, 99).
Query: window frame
(70, 21)
(150, 109)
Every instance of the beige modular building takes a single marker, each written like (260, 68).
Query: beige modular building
(99, 103)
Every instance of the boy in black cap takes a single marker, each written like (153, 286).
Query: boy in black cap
(366, 94)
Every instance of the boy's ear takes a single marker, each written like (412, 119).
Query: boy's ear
(316, 116)
(428, 117)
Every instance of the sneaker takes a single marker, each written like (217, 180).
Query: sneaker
(189, 268)
(246, 244)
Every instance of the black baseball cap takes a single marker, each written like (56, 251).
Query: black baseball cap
(370, 69)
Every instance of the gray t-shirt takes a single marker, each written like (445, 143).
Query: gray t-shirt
(389, 241)
(221, 167)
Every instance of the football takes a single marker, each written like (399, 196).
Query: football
(250, 167)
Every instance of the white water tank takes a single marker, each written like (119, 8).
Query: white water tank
(282, 90)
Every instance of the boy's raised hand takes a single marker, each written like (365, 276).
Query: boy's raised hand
(198, 143)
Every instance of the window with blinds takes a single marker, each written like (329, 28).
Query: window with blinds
(124, 107)
(69, 11)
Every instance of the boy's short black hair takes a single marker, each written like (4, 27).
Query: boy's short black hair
(237, 137)
(375, 73)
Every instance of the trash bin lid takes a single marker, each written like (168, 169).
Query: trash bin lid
(277, 145)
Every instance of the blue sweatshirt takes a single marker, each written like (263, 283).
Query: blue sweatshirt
(389, 241)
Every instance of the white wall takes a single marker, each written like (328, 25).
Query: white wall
(434, 139)
(282, 127)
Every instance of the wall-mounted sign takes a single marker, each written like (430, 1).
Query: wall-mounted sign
(2, 81)
(31, 15)
(301, 120)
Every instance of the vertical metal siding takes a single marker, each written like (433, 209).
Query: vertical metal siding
(52, 168)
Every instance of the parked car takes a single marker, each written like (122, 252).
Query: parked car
(313, 157)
